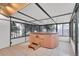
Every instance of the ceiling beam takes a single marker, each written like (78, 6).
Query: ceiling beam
(45, 12)
(23, 20)
(75, 8)
(4, 15)
(57, 23)
(5, 19)
(55, 16)
(28, 16)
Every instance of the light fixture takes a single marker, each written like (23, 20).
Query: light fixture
(11, 8)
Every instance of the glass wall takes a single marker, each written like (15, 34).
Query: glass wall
(63, 29)
(35, 28)
(66, 30)
(74, 26)
(59, 28)
(43, 29)
(78, 27)
(21, 30)
(48, 28)
(28, 29)
(17, 29)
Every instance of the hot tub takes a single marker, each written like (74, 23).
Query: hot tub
(46, 40)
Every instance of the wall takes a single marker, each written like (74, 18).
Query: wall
(4, 33)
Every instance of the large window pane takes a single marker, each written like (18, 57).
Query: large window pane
(43, 28)
(66, 30)
(17, 29)
(35, 28)
(59, 29)
(28, 29)
(48, 28)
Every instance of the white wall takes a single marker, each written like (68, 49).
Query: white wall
(4, 34)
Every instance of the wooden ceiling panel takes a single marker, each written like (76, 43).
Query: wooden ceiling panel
(11, 8)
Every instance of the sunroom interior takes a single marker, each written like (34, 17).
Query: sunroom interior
(39, 29)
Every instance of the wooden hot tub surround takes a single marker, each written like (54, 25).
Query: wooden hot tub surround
(46, 40)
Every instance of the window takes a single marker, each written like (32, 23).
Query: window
(75, 29)
(66, 30)
(63, 29)
(52, 28)
(59, 29)
(48, 28)
(28, 29)
(35, 28)
(43, 29)
(17, 29)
